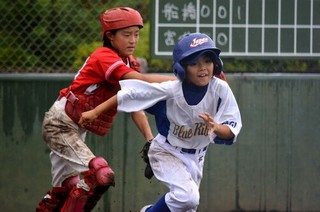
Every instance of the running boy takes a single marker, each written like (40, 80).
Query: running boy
(192, 112)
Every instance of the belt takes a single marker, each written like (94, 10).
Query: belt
(189, 151)
(70, 97)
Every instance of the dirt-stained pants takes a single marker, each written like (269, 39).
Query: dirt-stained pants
(69, 154)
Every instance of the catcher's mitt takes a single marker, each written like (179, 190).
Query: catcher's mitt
(148, 173)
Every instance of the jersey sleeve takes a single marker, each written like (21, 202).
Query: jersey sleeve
(136, 95)
(112, 65)
(118, 72)
(228, 113)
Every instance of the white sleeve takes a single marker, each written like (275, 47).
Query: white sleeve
(229, 112)
(136, 95)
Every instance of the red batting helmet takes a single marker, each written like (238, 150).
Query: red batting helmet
(120, 17)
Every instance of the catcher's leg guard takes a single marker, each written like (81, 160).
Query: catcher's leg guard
(56, 197)
(85, 195)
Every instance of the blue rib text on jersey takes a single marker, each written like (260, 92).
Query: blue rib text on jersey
(184, 132)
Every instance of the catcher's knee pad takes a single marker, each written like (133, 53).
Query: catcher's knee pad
(99, 175)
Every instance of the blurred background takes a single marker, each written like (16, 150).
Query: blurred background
(48, 36)
(274, 165)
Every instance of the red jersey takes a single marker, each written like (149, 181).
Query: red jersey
(97, 81)
(103, 65)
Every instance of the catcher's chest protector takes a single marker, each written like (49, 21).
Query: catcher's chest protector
(79, 103)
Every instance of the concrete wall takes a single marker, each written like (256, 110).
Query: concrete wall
(274, 165)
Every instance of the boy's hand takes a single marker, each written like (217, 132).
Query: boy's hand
(212, 125)
(87, 118)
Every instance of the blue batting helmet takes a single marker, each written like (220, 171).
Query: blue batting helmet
(190, 48)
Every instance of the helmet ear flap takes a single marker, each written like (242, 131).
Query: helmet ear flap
(179, 71)
(218, 66)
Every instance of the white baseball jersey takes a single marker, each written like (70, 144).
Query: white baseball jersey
(186, 129)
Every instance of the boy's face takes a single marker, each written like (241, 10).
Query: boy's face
(200, 72)
(125, 40)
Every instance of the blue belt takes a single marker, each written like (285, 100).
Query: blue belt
(189, 151)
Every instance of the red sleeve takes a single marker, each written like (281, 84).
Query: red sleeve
(117, 74)
(112, 65)
(104, 64)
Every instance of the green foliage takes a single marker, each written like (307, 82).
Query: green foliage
(18, 57)
(143, 50)
(83, 52)
(58, 35)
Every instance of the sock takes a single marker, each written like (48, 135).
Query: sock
(159, 206)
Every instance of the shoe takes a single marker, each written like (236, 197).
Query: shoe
(145, 208)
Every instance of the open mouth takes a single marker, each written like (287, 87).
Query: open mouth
(202, 75)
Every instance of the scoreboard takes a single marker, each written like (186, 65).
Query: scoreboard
(240, 28)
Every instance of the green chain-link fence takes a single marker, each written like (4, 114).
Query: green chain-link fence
(58, 35)
(52, 35)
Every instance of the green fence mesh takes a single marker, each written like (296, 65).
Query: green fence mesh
(57, 36)
(51, 35)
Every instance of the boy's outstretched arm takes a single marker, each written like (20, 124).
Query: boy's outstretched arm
(149, 77)
(222, 131)
(90, 115)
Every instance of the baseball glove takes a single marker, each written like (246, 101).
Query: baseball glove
(148, 173)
